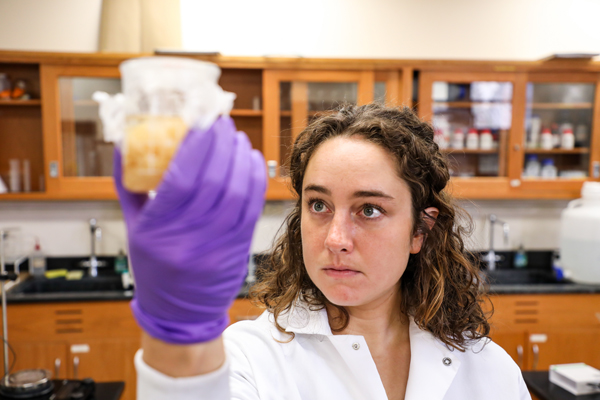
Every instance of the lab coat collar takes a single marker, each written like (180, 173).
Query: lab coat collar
(433, 366)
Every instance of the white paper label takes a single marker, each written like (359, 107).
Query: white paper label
(80, 348)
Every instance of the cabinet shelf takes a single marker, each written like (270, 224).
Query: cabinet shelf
(578, 150)
(561, 106)
(469, 151)
(33, 102)
(464, 104)
(246, 113)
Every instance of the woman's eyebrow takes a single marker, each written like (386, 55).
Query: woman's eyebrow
(357, 194)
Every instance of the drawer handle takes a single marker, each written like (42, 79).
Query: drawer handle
(75, 367)
(536, 356)
(56, 368)
(520, 356)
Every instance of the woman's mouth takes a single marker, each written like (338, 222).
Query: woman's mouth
(340, 272)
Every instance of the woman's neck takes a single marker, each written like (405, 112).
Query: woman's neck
(378, 321)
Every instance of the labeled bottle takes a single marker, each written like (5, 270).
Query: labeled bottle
(486, 140)
(548, 169)
(520, 258)
(458, 139)
(37, 261)
(546, 139)
(472, 139)
(567, 141)
(121, 263)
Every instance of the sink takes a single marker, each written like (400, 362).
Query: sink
(62, 285)
(522, 277)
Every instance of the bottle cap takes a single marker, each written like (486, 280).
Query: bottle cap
(568, 131)
(473, 130)
(548, 161)
(546, 130)
(458, 130)
(532, 157)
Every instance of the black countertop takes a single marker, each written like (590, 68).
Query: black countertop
(538, 383)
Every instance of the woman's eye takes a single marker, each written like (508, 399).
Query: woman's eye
(371, 212)
(318, 206)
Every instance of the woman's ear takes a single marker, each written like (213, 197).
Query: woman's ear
(429, 215)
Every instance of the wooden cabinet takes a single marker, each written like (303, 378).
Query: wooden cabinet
(294, 98)
(514, 108)
(58, 134)
(540, 330)
(85, 339)
(77, 340)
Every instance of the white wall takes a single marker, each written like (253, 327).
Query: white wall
(443, 29)
(459, 29)
(50, 25)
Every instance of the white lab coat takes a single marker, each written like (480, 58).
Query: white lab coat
(263, 364)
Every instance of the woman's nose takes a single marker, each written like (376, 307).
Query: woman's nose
(339, 236)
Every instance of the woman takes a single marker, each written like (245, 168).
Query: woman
(368, 293)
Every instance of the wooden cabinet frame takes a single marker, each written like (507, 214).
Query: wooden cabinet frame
(61, 186)
(399, 90)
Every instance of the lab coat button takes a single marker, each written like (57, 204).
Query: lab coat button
(355, 346)
(447, 361)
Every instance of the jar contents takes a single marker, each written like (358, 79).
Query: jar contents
(150, 143)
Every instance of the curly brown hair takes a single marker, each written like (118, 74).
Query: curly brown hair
(440, 287)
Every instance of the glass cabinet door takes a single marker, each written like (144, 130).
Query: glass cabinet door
(472, 121)
(79, 161)
(85, 152)
(293, 100)
(558, 130)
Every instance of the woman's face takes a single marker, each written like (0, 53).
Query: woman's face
(356, 222)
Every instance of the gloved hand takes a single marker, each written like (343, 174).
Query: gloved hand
(189, 246)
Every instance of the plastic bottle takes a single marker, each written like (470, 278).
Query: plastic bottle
(546, 139)
(548, 169)
(580, 238)
(458, 139)
(486, 140)
(121, 263)
(555, 136)
(520, 260)
(532, 167)
(472, 139)
(37, 260)
(567, 140)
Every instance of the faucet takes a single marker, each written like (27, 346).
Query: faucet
(93, 263)
(491, 257)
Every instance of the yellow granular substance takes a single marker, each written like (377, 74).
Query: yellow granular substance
(150, 143)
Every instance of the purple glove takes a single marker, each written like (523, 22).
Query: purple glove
(189, 246)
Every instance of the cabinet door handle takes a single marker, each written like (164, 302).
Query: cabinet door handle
(56, 368)
(75, 367)
(520, 356)
(536, 356)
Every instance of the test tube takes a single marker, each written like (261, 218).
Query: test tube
(14, 175)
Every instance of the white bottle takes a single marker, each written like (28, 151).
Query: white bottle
(548, 169)
(532, 167)
(458, 139)
(546, 139)
(472, 139)
(486, 140)
(534, 134)
(567, 141)
(440, 139)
